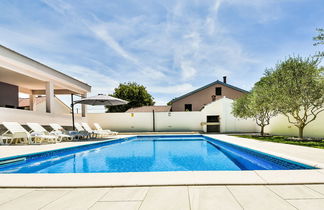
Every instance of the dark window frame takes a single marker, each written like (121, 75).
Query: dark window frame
(218, 91)
(186, 107)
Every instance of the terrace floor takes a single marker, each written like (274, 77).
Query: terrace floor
(177, 197)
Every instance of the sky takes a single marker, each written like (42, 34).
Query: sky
(171, 47)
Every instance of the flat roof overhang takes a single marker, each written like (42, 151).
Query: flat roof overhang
(31, 76)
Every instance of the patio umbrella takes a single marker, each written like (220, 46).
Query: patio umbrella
(100, 99)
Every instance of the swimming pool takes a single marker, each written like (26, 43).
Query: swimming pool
(149, 153)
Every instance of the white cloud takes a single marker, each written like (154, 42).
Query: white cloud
(187, 71)
(176, 89)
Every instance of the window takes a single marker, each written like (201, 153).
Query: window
(188, 107)
(218, 91)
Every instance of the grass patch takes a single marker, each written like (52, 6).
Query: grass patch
(281, 139)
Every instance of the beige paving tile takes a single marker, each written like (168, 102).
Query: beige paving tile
(77, 199)
(160, 178)
(10, 194)
(166, 198)
(227, 177)
(291, 176)
(125, 194)
(215, 197)
(311, 204)
(34, 200)
(317, 187)
(294, 191)
(125, 205)
(258, 197)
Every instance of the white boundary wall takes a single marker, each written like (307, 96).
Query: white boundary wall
(143, 121)
(24, 116)
(174, 121)
(280, 126)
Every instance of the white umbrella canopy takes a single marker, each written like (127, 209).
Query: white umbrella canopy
(101, 100)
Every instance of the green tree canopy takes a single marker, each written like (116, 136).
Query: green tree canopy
(257, 104)
(298, 86)
(132, 92)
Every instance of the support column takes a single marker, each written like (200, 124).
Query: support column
(49, 96)
(83, 106)
(32, 102)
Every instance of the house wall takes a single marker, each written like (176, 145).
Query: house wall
(8, 95)
(280, 126)
(203, 97)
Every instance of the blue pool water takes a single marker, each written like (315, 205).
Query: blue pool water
(149, 153)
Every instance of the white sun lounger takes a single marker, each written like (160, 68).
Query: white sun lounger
(80, 129)
(52, 137)
(109, 132)
(60, 130)
(18, 134)
(38, 130)
(93, 133)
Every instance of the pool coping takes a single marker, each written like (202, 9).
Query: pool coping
(128, 179)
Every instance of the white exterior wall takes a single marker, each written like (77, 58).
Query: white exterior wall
(280, 126)
(24, 116)
(143, 121)
(58, 107)
(178, 121)
(228, 123)
(174, 121)
(122, 121)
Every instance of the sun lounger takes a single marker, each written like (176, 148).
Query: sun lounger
(60, 130)
(109, 132)
(38, 130)
(17, 134)
(5, 139)
(94, 133)
(52, 136)
(80, 129)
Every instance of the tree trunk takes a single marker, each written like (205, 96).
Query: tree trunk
(262, 130)
(301, 132)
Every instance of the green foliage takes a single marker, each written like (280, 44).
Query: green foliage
(319, 40)
(132, 92)
(257, 104)
(320, 37)
(298, 87)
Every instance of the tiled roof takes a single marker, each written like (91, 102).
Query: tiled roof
(206, 86)
(150, 109)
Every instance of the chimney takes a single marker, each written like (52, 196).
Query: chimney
(224, 79)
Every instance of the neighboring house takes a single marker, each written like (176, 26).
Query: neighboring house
(197, 99)
(150, 109)
(40, 105)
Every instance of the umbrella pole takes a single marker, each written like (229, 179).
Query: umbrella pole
(72, 106)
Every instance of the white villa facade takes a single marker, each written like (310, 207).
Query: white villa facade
(20, 74)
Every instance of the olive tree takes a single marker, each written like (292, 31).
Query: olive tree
(299, 90)
(258, 104)
(319, 40)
